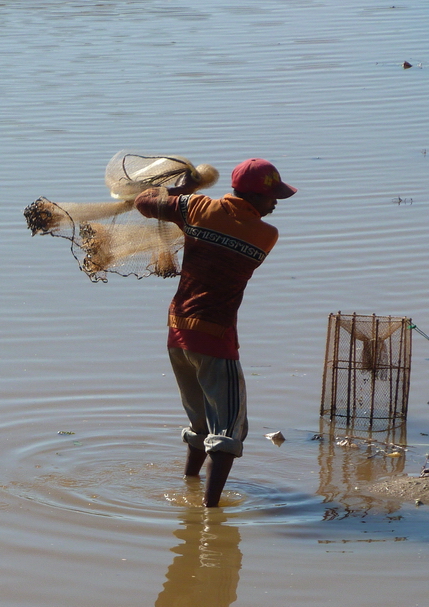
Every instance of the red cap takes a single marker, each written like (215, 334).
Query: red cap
(261, 177)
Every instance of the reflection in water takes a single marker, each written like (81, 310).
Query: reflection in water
(346, 470)
(206, 568)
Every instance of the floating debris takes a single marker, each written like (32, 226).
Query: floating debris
(65, 432)
(276, 437)
(391, 450)
(347, 442)
(425, 470)
(406, 65)
(400, 200)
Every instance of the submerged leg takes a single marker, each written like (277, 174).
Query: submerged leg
(194, 460)
(218, 469)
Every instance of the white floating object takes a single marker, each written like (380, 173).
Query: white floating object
(276, 437)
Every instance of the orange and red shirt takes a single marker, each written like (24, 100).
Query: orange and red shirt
(225, 241)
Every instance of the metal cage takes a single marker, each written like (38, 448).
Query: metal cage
(367, 367)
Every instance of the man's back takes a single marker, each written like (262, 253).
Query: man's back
(225, 241)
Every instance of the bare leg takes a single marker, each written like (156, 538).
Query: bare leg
(194, 460)
(218, 469)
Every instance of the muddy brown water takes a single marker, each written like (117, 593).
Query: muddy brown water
(99, 515)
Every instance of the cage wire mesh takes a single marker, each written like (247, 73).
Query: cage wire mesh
(114, 236)
(366, 374)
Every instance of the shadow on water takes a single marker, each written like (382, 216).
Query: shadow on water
(207, 561)
(351, 460)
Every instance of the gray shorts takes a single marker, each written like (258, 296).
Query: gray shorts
(213, 394)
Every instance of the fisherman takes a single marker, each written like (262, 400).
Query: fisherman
(225, 241)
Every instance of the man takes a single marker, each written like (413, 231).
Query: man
(225, 241)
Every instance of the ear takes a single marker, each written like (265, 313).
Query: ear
(249, 196)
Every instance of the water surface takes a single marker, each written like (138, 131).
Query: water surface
(100, 515)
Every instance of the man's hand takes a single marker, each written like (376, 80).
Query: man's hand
(186, 184)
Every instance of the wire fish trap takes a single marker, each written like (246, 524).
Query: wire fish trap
(114, 236)
(367, 368)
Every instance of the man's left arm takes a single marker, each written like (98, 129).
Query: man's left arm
(156, 203)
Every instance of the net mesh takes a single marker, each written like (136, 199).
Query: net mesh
(114, 236)
(367, 367)
(129, 173)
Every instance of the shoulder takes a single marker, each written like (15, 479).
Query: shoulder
(198, 201)
(268, 234)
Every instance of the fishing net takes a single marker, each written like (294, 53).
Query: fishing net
(129, 173)
(114, 236)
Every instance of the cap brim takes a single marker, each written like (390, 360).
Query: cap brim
(284, 190)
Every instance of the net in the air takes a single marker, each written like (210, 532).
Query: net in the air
(114, 236)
